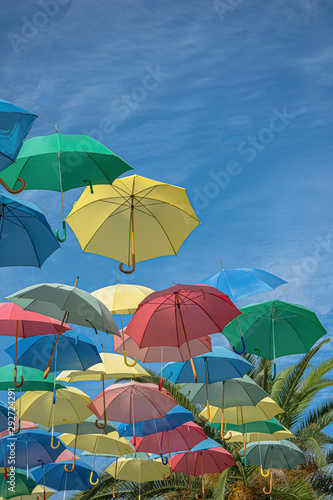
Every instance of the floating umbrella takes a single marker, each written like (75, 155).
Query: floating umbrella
(61, 162)
(243, 282)
(274, 329)
(233, 392)
(200, 462)
(38, 493)
(137, 470)
(272, 454)
(15, 321)
(26, 236)
(85, 427)
(16, 485)
(55, 476)
(122, 299)
(65, 303)
(178, 314)
(137, 210)
(15, 124)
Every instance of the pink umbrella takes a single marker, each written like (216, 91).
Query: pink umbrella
(179, 314)
(67, 455)
(184, 437)
(15, 321)
(196, 463)
(24, 426)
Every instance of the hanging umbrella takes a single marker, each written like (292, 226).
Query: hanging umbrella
(122, 299)
(4, 417)
(243, 282)
(179, 314)
(138, 211)
(262, 426)
(39, 493)
(55, 476)
(250, 437)
(274, 454)
(15, 321)
(61, 162)
(72, 351)
(175, 417)
(200, 462)
(274, 329)
(65, 303)
(26, 236)
(17, 484)
(66, 456)
(85, 427)
(233, 392)
(20, 425)
(15, 124)
(137, 470)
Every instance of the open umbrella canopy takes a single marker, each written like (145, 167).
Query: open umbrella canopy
(70, 406)
(286, 454)
(16, 485)
(56, 477)
(86, 427)
(243, 282)
(175, 417)
(15, 124)
(264, 410)
(133, 402)
(111, 443)
(72, 351)
(122, 299)
(33, 379)
(3, 416)
(26, 236)
(250, 437)
(54, 299)
(138, 470)
(213, 460)
(37, 493)
(31, 449)
(137, 210)
(261, 426)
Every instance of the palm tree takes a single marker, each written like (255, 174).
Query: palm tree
(296, 389)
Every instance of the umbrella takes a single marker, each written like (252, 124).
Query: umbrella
(112, 366)
(15, 321)
(233, 392)
(66, 456)
(4, 423)
(61, 162)
(262, 426)
(250, 437)
(243, 282)
(55, 476)
(72, 351)
(85, 427)
(65, 302)
(17, 483)
(15, 124)
(175, 417)
(274, 329)
(200, 462)
(38, 493)
(137, 470)
(179, 314)
(122, 299)
(138, 211)
(282, 455)
(26, 236)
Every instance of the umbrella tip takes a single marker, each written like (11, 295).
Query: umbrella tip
(56, 127)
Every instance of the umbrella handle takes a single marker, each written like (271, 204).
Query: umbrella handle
(168, 478)
(162, 458)
(54, 447)
(100, 426)
(90, 479)
(160, 384)
(202, 483)
(131, 269)
(29, 485)
(127, 363)
(18, 428)
(270, 487)
(63, 238)
(114, 492)
(16, 383)
(243, 349)
(262, 472)
(90, 185)
(272, 377)
(14, 191)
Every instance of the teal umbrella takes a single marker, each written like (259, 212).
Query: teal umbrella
(86, 427)
(274, 329)
(16, 485)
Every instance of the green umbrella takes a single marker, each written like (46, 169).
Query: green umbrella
(16, 485)
(66, 303)
(274, 329)
(262, 426)
(61, 162)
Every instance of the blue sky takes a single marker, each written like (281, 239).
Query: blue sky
(229, 99)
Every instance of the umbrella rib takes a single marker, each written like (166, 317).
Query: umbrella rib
(198, 305)
(297, 334)
(88, 154)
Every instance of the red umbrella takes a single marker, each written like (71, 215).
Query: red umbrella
(196, 463)
(18, 322)
(179, 314)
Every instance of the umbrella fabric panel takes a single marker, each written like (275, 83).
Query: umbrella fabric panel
(122, 299)
(111, 444)
(20, 486)
(215, 460)
(139, 470)
(56, 477)
(286, 454)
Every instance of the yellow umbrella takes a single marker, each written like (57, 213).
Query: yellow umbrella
(122, 299)
(37, 494)
(110, 444)
(251, 437)
(138, 471)
(133, 220)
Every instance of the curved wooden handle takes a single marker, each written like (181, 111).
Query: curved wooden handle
(18, 384)
(270, 487)
(131, 269)
(100, 426)
(14, 191)
(168, 478)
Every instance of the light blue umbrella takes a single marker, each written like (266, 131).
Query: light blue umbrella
(15, 124)
(243, 282)
(26, 236)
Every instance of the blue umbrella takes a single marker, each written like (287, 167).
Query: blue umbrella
(73, 352)
(54, 475)
(25, 235)
(4, 417)
(175, 417)
(243, 282)
(15, 124)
